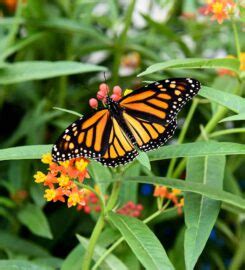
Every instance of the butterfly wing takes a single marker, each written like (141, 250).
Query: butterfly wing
(87, 137)
(120, 149)
(149, 135)
(160, 102)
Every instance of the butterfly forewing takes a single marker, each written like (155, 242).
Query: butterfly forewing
(160, 101)
(87, 137)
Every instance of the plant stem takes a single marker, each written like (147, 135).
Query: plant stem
(228, 131)
(236, 38)
(100, 224)
(114, 196)
(120, 43)
(92, 242)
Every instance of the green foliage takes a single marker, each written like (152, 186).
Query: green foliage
(54, 54)
(142, 241)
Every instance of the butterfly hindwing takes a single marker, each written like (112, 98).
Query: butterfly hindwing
(160, 101)
(87, 137)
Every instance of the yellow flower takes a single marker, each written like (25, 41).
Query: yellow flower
(65, 164)
(39, 177)
(46, 158)
(242, 61)
(127, 92)
(181, 202)
(81, 165)
(50, 194)
(176, 191)
(75, 198)
(63, 180)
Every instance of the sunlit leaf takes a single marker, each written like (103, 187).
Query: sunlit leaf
(232, 64)
(38, 70)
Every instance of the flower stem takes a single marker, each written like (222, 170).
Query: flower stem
(100, 223)
(114, 196)
(120, 43)
(92, 242)
(236, 38)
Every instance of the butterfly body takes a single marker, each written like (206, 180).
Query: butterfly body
(145, 119)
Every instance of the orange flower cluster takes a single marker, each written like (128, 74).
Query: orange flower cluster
(174, 195)
(59, 180)
(218, 9)
(131, 209)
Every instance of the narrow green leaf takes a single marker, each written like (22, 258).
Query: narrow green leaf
(201, 212)
(110, 262)
(198, 188)
(142, 241)
(231, 64)
(21, 246)
(21, 265)
(68, 111)
(237, 117)
(74, 259)
(34, 219)
(232, 102)
(38, 70)
(144, 160)
(195, 149)
(25, 152)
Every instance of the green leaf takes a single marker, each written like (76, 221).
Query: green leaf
(21, 246)
(21, 265)
(25, 152)
(53, 262)
(74, 259)
(68, 111)
(144, 160)
(34, 219)
(232, 102)
(198, 188)
(142, 241)
(231, 64)
(237, 117)
(71, 26)
(110, 262)
(201, 212)
(196, 149)
(38, 70)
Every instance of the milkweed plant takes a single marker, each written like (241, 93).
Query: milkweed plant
(180, 206)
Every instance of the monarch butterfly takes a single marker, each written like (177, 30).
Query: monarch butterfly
(144, 119)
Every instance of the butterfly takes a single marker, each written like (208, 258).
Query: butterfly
(142, 120)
